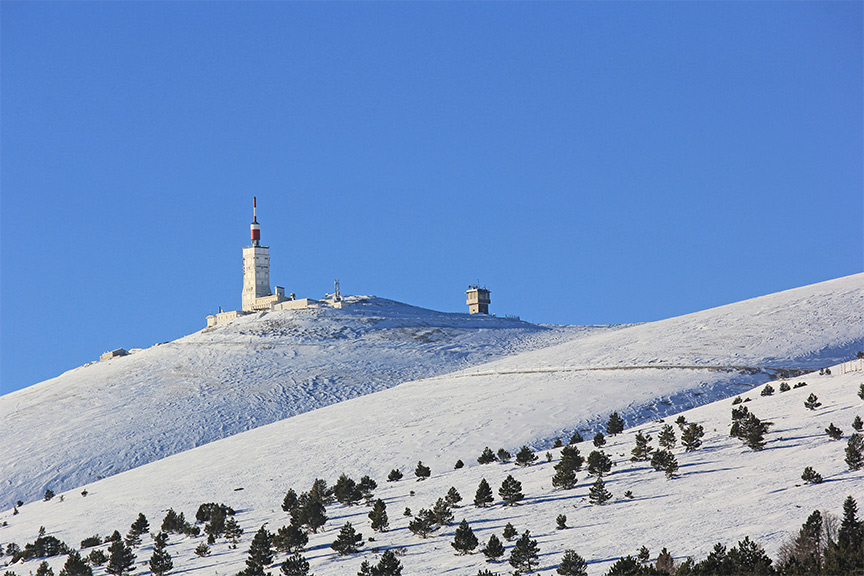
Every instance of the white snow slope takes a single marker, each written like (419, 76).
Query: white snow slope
(641, 371)
(107, 417)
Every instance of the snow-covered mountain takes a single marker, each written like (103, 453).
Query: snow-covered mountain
(568, 379)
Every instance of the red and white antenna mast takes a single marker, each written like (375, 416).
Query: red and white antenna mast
(255, 228)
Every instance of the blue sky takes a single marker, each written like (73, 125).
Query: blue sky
(590, 162)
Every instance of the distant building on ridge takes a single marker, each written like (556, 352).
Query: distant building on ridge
(478, 300)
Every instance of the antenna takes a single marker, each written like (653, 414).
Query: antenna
(255, 228)
(337, 296)
(254, 209)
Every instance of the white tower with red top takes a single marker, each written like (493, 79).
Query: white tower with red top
(256, 268)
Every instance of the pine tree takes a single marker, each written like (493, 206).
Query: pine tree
(691, 437)
(442, 513)
(599, 463)
(233, 532)
(571, 457)
(310, 512)
(290, 501)
(561, 522)
(572, 564)
(290, 539)
(494, 549)
(422, 472)
(644, 555)
(367, 486)
(833, 432)
(487, 457)
(141, 525)
(423, 524)
(388, 565)
(855, 452)
(576, 438)
(345, 491)
(784, 387)
(510, 532)
(564, 477)
(858, 424)
(804, 555)
(378, 516)
(464, 540)
(642, 451)
(97, 557)
(846, 555)
(598, 494)
(160, 560)
(511, 491)
(453, 497)
(664, 460)
(295, 565)
(173, 522)
(394, 476)
(504, 455)
(768, 390)
(320, 492)
(810, 476)
(44, 569)
(459, 464)
(525, 554)
(666, 438)
(599, 440)
(748, 558)
(120, 559)
(76, 566)
(348, 540)
(483, 497)
(202, 550)
(260, 553)
(525, 457)
(861, 391)
(812, 402)
(615, 425)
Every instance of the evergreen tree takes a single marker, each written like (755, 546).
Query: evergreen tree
(120, 559)
(388, 565)
(784, 387)
(160, 560)
(464, 540)
(202, 550)
(564, 477)
(571, 457)
(599, 463)
(310, 512)
(290, 501)
(453, 497)
(290, 539)
(320, 492)
(394, 476)
(804, 555)
(173, 522)
(483, 497)
(599, 440)
(644, 555)
(642, 451)
(295, 565)
(558, 443)
(75, 566)
(748, 428)
(525, 554)
(44, 569)
(666, 438)
(768, 390)
(576, 438)
(348, 540)
(494, 549)
(846, 556)
(810, 476)
(141, 525)
(691, 437)
(861, 391)
(459, 464)
(858, 424)
(626, 566)
(97, 557)
(511, 491)
(233, 532)
(487, 457)
(423, 524)
(664, 460)
(378, 516)
(561, 522)
(615, 424)
(749, 558)
(598, 494)
(260, 553)
(572, 564)
(215, 526)
(833, 432)
(503, 455)
(812, 402)
(367, 486)
(510, 532)
(422, 472)
(525, 457)
(346, 491)
(855, 452)
(441, 512)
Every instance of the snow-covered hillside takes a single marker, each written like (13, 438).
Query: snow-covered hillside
(724, 490)
(104, 418)
(117, 415)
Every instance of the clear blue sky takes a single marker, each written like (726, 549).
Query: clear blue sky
(590, 162)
